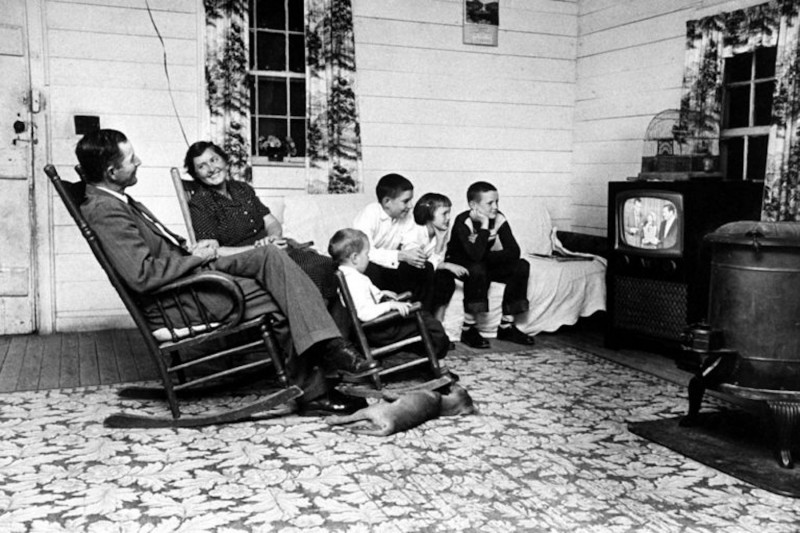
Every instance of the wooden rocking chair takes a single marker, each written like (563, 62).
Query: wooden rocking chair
(440, 377)
(165, 344)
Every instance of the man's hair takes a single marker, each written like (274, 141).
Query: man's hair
(196, 150)
(391, 186)
(427, 205)
(669, 207)
(345, 242)
(476, 189)
(98, 150)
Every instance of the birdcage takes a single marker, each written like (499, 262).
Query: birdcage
(671, 153)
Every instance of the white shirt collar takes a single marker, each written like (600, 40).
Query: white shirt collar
(122, 197)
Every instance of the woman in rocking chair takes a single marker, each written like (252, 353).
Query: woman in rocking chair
(230, 212)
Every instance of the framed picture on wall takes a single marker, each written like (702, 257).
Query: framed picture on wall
(481, 22)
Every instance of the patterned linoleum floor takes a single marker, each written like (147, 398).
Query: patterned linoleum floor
(549, 451)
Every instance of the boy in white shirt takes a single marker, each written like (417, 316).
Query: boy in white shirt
(396, 262)
(350, 249)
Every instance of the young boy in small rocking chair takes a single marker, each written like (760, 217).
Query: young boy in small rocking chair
(349, 248)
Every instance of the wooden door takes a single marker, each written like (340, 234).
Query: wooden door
(17, 270)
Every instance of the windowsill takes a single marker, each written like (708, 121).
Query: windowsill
(260, 161)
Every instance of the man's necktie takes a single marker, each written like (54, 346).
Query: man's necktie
(151, 218)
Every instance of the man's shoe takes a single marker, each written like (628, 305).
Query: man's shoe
(513, 334)
(342, 357)
(472, 338)
(332, 403)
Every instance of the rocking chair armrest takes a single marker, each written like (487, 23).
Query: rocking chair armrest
(391, 315)
(220, 281)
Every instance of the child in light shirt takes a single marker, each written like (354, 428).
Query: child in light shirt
(350, 248)
(395, 261)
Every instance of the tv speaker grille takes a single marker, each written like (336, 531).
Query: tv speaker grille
(652, 307)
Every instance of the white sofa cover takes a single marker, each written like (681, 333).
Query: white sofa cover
(559, 292)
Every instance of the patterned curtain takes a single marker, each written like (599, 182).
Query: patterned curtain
(709, 41)
(781, 185)
(228, 95)
(334, 138)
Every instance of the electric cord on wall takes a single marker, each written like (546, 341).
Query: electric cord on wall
(166, 71)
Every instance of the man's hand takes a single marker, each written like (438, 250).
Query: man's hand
(205, 249)
(412, 256)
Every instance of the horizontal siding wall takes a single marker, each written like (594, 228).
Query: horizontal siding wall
(433, 108)
(104, 58)
(446, 114)
(630, 62)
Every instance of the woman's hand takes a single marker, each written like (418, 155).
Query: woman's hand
(275, 240)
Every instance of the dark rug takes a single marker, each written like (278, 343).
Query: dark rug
(735, 442)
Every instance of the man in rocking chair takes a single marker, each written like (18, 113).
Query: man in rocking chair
(148, 256)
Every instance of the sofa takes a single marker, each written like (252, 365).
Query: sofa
(559, 291)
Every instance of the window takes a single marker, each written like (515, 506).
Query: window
(278, 83)
(747, 111)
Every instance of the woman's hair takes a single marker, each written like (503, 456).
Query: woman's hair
(427, 205)
(346, 242)
(196, 150)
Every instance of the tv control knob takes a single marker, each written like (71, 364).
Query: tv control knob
(671, 266)
(645, 262)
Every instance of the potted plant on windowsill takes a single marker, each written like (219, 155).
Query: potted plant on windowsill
(276, 149)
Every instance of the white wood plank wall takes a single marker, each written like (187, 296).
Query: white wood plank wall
(555, 111)
(104, 58)
(446, 114)
(630, 62)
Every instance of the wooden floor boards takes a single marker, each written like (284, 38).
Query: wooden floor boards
(66, 360)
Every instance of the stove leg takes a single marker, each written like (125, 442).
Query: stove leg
(786, 415)
(697, 389)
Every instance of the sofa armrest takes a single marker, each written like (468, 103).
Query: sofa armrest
(583, 242)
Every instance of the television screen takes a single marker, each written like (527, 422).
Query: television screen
(650, 221)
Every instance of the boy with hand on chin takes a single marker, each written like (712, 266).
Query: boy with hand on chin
(482, 242)
(396, 261)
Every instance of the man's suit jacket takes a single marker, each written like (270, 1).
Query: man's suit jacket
(669, 238)
(141, 255)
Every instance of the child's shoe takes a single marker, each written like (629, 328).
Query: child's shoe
(472, 338)
(513, 334)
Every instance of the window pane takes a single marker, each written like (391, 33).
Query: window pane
(765, 62)
(297, 53)
(271, 96)
(296, 17)
(267, 127)
(738, 107)
(252, 50)
(757, 157)
(737, 68)
(763, 105)
(270, 14)
(298, 135)
(297, 98)
(271, 51)
(734, 158)
(253, 135)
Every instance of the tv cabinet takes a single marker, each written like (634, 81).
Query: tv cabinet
(652, 298)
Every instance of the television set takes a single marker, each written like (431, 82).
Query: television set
(650, 223)
(658, 279)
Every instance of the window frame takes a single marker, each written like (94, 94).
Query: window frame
(746, 133)
(253, 75)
